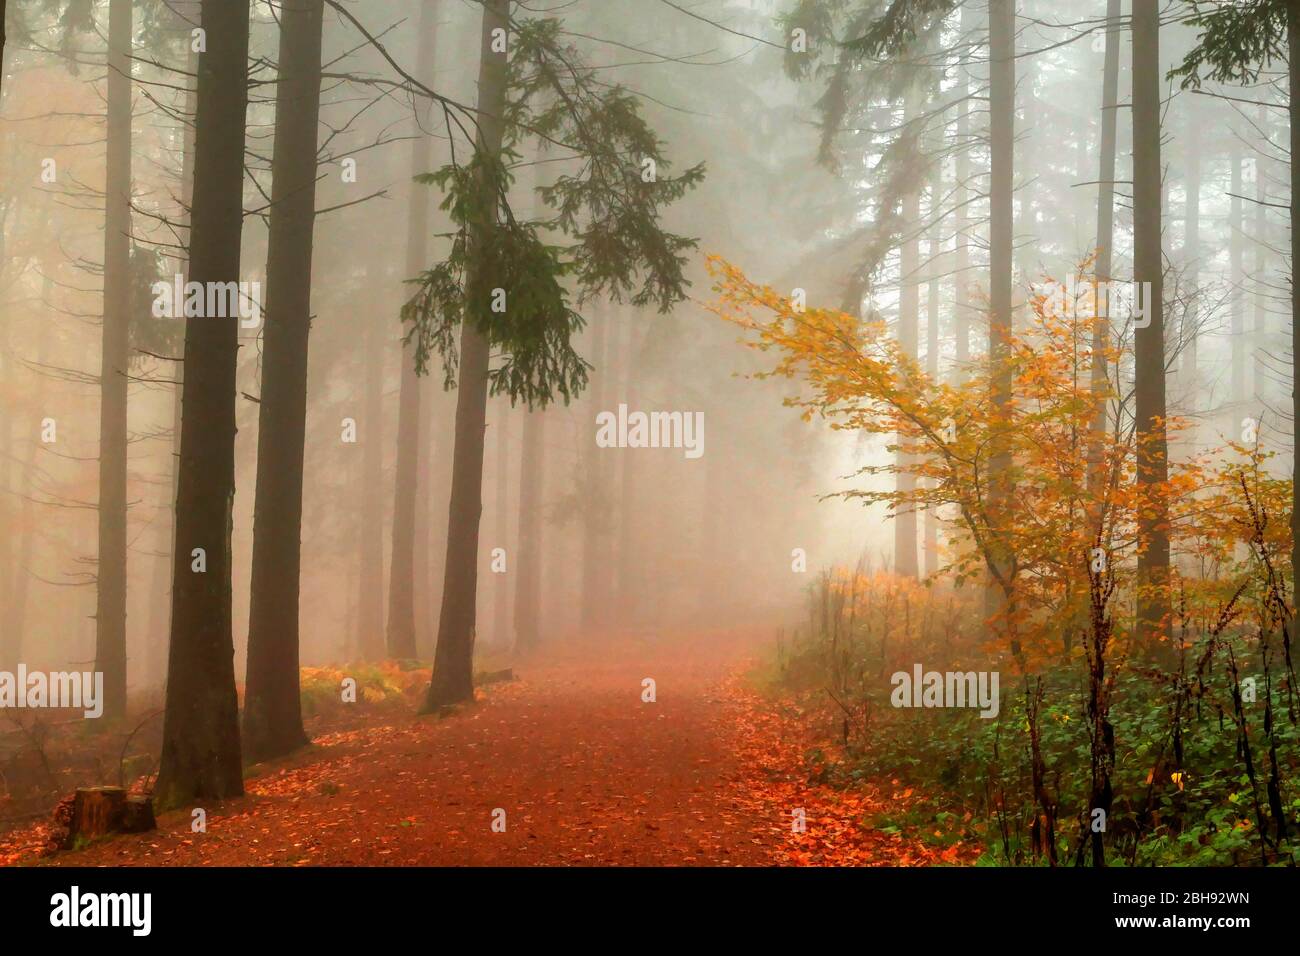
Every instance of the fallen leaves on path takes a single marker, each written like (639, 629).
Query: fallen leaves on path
(584, 770)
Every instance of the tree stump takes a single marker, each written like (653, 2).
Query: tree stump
(99, 811)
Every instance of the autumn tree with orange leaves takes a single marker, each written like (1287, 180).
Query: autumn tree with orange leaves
(1064, 554)
(1059, 540)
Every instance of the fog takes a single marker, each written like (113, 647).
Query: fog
(632, 540)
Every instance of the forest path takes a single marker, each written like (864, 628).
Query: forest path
(586, 772)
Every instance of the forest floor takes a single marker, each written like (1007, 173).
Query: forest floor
(710, 773)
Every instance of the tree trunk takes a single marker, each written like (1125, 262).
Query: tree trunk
(909, 320)
(501, 522)
(1259, 327)
(628, 541)
(594, 513)
(528, 563)
(931, 528)
(440, 433)
(961, 195)
(2, 43)
(1293, 110)
(11, 636)
(1002, 120)
(272, 698)
(532, 483)
(201, 749)
(110, 571)
(1236, 280)
(1149, 342)
(370, 578)
(401, 571)
(453, 664)
(421, 559)
(1192, 262)
(1105, 237)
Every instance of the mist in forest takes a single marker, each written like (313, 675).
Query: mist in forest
(628, 539)
(477, 339)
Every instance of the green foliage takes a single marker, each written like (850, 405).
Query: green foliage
(870, 56)
(534, 330)
(1185, 791)
(1237, 40)
(899, 27)
(607, 213)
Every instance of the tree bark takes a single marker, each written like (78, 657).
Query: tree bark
(1149, 342)
(501, 522)
(370, 579)
(421, 559)
(1259, 327)
(532, 483)
(1002, 119)
(961, 278)
(272, 698)
(594, 513)
(2, 43)
(909, 309)
(1191, 262)
(401, 571)
(11, 636)
(1236, 280)
(528, 564)
(453, 664)
(1105, 237)
(110, 570)
(909, 320)
(201, 748)
(628, 540)
(1293, 110)
(931, 518)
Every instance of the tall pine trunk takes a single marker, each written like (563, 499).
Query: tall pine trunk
(401, 579)
(1192, 263)
(595, 515)
(931, 519)
(1002, 120)
(501, 523)
(1149, 342)
(1293, 108)
(1236, 280)
(201, 749)
(453, 664)
(628, 540)
(272, 701)
(961, 195)
(532, 483)
(1105, 235)
(370, 576)
(1259, 326)
(909, 320)
(528, 563)
(110, 607)
(11, 636)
